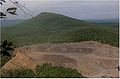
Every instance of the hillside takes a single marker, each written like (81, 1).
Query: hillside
(57, 28)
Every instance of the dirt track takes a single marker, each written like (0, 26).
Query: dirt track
(91, 58)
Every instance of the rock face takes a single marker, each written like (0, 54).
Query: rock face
(92, 59)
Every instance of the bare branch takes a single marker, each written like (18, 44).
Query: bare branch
(24, 8)
(1, 3)
(13, 13)
(19, 7)
(2, 0)
(2, 15)
(12, 8)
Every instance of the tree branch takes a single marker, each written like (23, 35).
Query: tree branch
(20, 8)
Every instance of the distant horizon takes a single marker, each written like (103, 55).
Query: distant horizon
(64, 15)
(9, 22)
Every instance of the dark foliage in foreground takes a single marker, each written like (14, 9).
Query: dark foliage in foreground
(6, 52)
(42, 71)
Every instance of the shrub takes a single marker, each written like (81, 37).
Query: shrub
(3, 60)
(42, 71)
(6, 52)
(25, 73)
(47, 70)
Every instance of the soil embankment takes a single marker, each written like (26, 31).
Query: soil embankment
(90, 58)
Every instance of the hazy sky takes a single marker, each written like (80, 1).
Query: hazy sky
(80, 9)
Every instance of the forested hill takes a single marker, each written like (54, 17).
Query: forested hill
(57, 28)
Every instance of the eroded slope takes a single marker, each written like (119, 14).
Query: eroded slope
(90, 58)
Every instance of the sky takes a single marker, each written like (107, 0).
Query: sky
(79, 9)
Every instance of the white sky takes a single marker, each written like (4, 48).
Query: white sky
(80, 9)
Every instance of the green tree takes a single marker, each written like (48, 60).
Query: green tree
(6, 48)
(6, 52)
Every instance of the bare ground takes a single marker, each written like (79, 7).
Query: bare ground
(90, 58)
